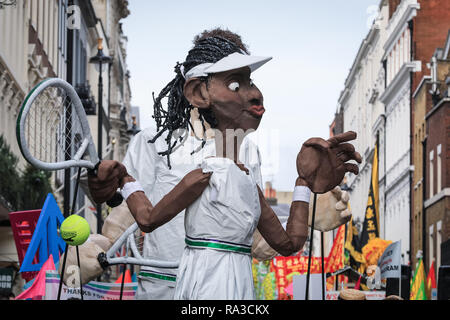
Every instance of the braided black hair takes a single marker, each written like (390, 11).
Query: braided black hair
(207, 49)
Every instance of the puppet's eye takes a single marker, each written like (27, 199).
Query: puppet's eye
(251, 83)
(234, 86)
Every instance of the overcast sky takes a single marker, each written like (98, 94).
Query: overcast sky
(313, 45)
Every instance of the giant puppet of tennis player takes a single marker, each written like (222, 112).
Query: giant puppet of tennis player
(224, 205)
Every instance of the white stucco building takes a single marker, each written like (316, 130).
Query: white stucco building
(364, 114)
(397, 102)
(376, 102)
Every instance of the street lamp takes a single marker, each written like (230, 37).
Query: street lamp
(99, 59)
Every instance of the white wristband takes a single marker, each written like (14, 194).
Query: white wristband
(129, 188)
(301, 193)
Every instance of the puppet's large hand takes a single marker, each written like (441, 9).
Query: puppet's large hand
(332, 210)
(323, 163)
(193, 184)
(104, 185)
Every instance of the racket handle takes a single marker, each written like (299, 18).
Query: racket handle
(115, 200)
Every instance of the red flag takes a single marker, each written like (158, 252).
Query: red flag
(127, 277)
(431, 280)
(358, 283)
(335, 260)
(37, 289)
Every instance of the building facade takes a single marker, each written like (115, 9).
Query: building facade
(377, 103)
(363, 112)
(57, 38)
(399, 65)
(32, 48)
(432, 107)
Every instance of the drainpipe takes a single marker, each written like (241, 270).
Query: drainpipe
(424, 193)
(411, 124)
(384, 174)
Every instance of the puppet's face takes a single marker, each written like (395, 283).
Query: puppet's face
(235, 101)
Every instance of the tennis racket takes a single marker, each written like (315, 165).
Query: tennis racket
(134, 242)
(53, 131)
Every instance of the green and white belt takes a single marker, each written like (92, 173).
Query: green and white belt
(218, 245)
(158, 275)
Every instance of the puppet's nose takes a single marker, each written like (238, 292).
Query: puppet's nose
(255, 97)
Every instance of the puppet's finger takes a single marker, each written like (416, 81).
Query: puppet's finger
(96, 184)
(357, 157)
(106, 169)
(344, 157)
(343, 137)
(345, 148)
(346, 214)
(345, 197)
(340, 206)
(119, 171)
(350, 167)
(317, 142)
(337, 192)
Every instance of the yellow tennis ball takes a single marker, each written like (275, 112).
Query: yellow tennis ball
(75, 230)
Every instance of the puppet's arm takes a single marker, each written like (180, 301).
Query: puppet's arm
(112, 175)
(150, 217)
(321, 166)
(289, 241)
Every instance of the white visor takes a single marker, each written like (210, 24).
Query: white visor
(233, 61)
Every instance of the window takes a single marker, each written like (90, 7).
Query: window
(419, 226)
(431, 173)
(438, 169)
(438, 244)
(431, 244)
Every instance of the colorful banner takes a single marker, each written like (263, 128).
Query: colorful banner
(264, 281)
(370, 295)
(37, 289)
(431, 283)
(93, 290)
(353, 253)
(418, 291)
(390, 261)
(281, 269)
(286, 266)
(335, 260)
(371, 228)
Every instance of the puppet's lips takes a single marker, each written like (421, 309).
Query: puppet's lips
(256, 111)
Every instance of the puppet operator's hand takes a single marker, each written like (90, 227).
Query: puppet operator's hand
(193, 184)
(332, 210)
(104, 185)
(323, 163)
(90, 267)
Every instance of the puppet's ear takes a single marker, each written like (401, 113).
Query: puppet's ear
(196, 93)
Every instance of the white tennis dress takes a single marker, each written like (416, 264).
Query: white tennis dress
(149, 168)
(216, 262)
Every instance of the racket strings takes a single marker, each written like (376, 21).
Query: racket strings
(139, 240)
(53, 129)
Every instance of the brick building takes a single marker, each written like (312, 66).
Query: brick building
(378, 101)
(430, 29)
(437, 158)
(431, 203)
